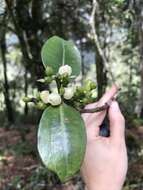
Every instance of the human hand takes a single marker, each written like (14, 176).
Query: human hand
(105, 163)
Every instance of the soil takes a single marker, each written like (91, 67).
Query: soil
(21, 166)
(13, 166)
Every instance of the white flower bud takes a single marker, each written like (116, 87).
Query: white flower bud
(54, 99)
(65, 69)
(69, 92)
(44, 95)
(94, 93)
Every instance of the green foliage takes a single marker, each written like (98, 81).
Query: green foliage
(133, 144)
(57, 52)
(137, 122)
(61, 133)
(23, 148)
(16, 182)
(117, 29)
(119, 1)
(62, 140)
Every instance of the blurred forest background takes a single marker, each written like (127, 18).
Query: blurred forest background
(109, 35)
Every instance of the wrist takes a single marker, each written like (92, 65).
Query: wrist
(103, 186)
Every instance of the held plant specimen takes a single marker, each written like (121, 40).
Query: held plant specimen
(61, 133)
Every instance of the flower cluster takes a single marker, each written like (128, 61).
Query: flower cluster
(66, 90)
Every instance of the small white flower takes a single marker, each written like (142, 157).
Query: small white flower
(44, 95)
(54, 99)
(69, 92)
(65, 69)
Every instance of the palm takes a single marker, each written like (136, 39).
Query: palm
(104, 154)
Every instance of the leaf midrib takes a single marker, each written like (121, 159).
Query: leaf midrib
(63, 55)
(64, 145)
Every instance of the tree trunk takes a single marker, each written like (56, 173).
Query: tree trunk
(26, 32)
(100, 59)
(139, 12)
(8, 104)
(26, 91)
(100, 75)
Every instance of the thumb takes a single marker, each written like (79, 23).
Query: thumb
(117, 123)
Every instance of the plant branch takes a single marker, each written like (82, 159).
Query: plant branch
(96, 40)
(97, 109)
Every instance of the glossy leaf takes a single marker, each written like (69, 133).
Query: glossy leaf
(57, 52)
(62, 140)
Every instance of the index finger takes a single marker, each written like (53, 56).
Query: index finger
(108, 95)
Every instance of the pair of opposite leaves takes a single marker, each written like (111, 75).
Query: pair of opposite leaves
(61, 133)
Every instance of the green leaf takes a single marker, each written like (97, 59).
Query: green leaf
(57, 52)
(62, 140)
